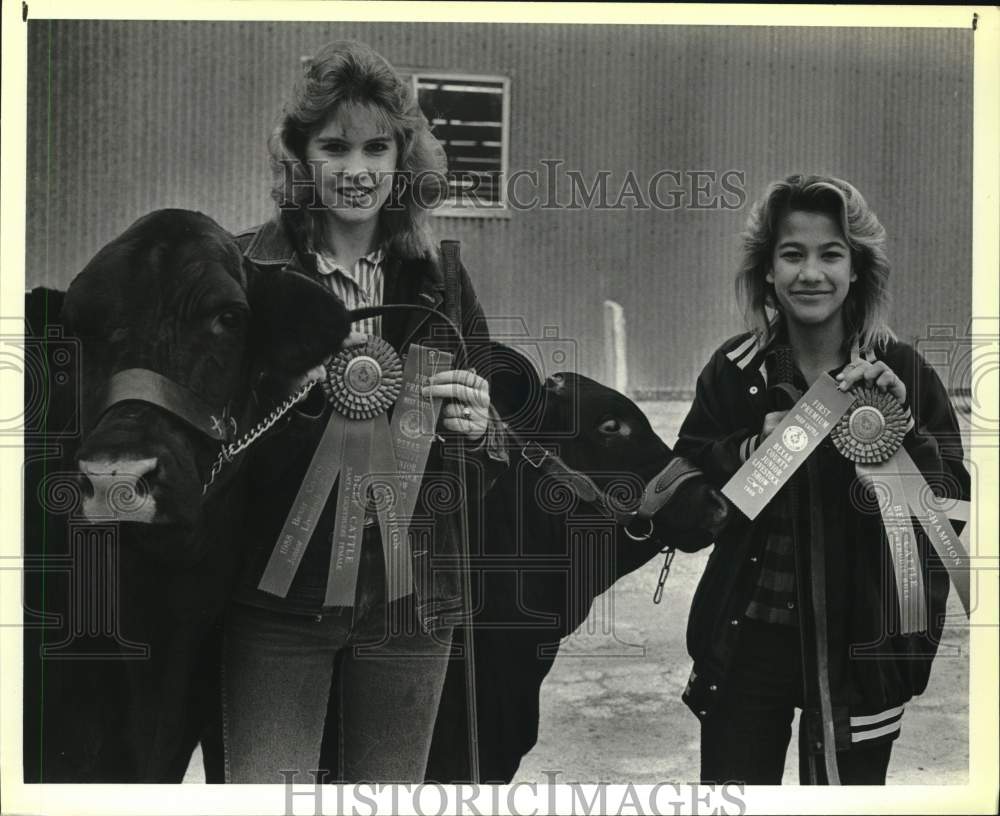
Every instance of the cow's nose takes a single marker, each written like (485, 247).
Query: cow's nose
(118, 490)
(555, 383)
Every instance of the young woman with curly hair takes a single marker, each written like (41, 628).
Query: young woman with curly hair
(355, 172)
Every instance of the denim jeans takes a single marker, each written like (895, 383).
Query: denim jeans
(279, 670)
(747, 735)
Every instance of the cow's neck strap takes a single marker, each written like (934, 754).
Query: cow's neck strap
(582, 486)
(145, 385)
(658, 493)
(664, 486)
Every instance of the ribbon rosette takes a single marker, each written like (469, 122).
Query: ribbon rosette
(370, 460)
(867, 427)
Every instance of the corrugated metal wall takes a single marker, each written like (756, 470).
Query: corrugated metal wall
(125, 117)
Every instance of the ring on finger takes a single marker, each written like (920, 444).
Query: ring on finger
(467, 413)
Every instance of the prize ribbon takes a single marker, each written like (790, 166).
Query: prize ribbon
(872, 430)
(867, 426)
(367, 459)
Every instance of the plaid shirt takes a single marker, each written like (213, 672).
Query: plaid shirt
(774, 597)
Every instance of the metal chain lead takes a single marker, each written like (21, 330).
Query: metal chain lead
(664, 573)
(228, 451)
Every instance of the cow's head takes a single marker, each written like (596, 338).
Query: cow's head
(614, 437)
(599, 432)
(174, 327)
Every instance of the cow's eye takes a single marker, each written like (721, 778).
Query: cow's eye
(229, 319)
(609, 425)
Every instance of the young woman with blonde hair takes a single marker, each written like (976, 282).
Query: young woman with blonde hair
(764, 639)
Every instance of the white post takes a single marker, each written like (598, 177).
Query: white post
(614, 346)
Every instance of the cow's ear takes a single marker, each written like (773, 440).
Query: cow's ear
(295, 321)
(516, 391)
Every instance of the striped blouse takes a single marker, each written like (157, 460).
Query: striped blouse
(357, 288)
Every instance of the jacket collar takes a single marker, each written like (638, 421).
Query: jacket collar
(418, 281)
(753, 356)
(270, 245)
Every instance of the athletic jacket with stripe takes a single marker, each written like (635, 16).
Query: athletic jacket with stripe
(873, 670)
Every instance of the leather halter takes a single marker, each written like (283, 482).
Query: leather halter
(145, 385)
(659, 491)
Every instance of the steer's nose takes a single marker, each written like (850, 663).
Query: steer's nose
(118, 490)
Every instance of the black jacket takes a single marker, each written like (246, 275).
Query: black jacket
(872, 671)
(280, 459)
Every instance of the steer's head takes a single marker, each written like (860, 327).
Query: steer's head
(599, 432)
(602, 433)
(174, 327)
(614, 443)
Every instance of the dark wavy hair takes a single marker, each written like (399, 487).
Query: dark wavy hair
(866, 308)
(350, 72)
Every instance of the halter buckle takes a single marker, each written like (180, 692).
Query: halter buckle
(533, 449)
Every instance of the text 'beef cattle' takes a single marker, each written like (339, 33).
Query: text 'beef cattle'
(128, 564)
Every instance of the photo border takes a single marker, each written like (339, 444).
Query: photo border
(978, 796)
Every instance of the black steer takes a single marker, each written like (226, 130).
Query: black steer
(173, 296)
(541, 556)
(546, 555)
(128, 565)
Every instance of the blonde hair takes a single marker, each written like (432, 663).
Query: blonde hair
(866, 308)
(350, 72)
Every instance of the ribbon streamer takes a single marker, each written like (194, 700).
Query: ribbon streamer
(352, 501)
(370, 462)
(933, 513)
(902, 542)
(865, 431)
(801, 431)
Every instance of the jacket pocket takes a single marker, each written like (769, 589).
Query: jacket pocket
(699, 694)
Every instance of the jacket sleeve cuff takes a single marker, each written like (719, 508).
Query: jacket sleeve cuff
(748, 446)
(910, 424)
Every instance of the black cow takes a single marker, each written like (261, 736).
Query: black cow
(543, 556)
(562, 553)
(128, 702)
(128, 568)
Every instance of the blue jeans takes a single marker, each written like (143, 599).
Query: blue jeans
(278, 673)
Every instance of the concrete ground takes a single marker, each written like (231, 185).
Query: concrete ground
(611, 707)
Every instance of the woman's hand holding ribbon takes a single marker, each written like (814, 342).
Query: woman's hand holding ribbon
(861, 372)
(468, 409)
(772, 420)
